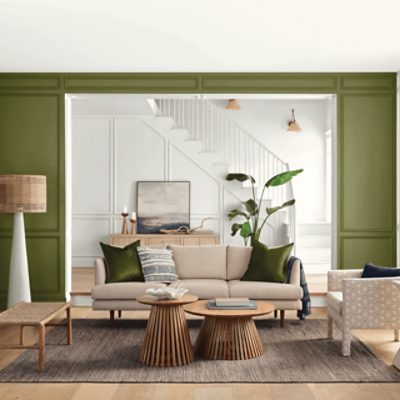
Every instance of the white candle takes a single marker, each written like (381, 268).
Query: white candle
(125, 209)
(133, 216)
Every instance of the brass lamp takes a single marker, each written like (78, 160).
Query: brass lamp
(293, 126)
(21, 194)
(232, 105)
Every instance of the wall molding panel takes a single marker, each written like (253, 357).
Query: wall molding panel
(125, 168)
(17, 119)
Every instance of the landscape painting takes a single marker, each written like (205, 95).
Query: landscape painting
(162, 205)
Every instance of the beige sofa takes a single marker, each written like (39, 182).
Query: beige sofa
(208, 272)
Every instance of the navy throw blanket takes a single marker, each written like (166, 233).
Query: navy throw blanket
(305, 300)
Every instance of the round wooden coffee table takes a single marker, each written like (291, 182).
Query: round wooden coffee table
(228, 334)
(166, 342)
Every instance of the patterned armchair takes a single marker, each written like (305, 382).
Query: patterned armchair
(356, 303)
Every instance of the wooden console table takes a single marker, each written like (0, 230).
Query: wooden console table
(154, 239)
(35, 314)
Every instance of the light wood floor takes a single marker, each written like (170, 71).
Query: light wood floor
(381, 342)
(82, 281)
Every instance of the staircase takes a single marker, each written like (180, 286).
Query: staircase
(222, 146)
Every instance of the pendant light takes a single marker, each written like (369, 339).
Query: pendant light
(232, 105)
(293, 126)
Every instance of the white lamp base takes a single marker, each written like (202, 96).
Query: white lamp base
(18, 287)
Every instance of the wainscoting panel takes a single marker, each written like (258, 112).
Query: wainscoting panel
(204, 190)
(91, 158)
(32, 124)
(359, 250)
(368, 160)
(139, 155)
(128, 150)
(32, 142)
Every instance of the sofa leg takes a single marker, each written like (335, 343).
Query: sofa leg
(330, 327)
(112, 315)
(396, 335)
(282, 318)
(119, 313)
(275, 313)
(346, 342)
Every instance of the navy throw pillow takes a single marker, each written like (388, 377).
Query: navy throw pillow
(374, 271)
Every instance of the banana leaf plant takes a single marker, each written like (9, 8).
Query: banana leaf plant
(250, 227)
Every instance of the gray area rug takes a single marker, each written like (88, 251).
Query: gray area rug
(105, 352)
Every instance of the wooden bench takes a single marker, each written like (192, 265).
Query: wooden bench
(35, 314)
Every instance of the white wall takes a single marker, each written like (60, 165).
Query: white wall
(109, 155)
(267, 121)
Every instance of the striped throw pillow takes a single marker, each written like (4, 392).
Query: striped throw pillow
(157, 265)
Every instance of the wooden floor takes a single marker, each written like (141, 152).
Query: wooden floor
(381, 342)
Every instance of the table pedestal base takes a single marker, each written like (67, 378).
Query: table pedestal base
(167, 342)
(229, 339)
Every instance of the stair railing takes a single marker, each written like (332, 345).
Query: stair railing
(231, 144)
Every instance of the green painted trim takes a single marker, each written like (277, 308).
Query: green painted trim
(59, 84)
(393, 146)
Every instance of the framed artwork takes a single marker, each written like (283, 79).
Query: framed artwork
(162, 205)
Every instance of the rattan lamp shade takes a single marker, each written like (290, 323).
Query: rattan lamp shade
(22, 193)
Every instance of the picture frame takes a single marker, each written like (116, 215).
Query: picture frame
(162, 205)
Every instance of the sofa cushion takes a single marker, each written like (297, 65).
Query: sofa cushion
(334, 300)
(268, 264)
(200, 262)
(265, 290)
(123, 290)
(157, 265)
(237, 261)
(206, 289)
(122, 264)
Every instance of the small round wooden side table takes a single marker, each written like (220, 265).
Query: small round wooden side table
(166, 342)
(228, 334)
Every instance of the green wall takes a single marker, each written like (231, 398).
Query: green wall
(32, 141)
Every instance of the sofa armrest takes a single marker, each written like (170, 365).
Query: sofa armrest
(100, 271)
(335, 278)
(295, 273)
(371, 302)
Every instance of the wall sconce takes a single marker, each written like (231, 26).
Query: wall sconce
(293, 126)
(232, 105)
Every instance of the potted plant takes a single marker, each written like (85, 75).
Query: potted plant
(251, 227)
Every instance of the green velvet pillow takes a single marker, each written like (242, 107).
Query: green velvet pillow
(122, 264)
(268, 265)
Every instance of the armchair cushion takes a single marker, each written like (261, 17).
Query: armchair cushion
(375, 271)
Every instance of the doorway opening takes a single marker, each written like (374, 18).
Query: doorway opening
(113, 141)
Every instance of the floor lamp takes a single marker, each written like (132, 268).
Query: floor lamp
(21, 194)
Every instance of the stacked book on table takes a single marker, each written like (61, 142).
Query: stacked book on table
(232, 303)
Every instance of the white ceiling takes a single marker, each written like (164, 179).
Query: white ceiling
(202, 35)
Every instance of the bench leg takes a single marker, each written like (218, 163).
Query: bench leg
(21, 335)
(112, 316)
(275, 313)
(396, 335)
(119, 313)
(42, 345)
(282, 318)
(69, 326)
